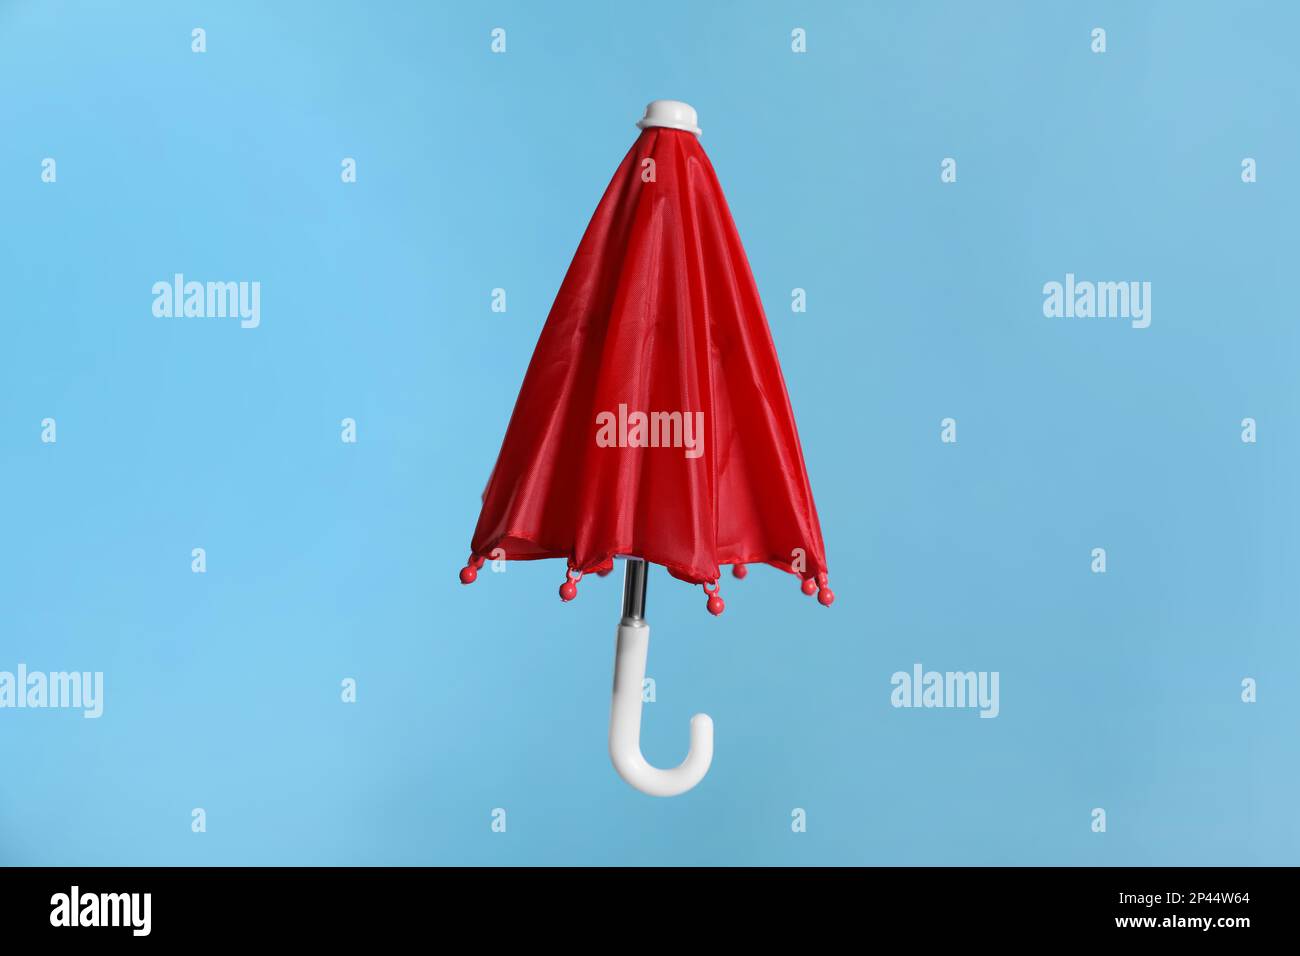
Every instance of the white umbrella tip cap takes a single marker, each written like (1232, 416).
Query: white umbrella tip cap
(671, 114)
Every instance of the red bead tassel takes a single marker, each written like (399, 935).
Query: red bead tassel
(826, 596)
(569, 589)
(819, 586)
(716, 605)
(469, 573)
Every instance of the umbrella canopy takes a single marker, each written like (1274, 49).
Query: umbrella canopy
(653, 421)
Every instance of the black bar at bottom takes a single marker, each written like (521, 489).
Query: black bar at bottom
(336, 905)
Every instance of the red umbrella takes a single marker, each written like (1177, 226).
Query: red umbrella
(653, 422)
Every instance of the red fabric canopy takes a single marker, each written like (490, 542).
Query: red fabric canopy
(653, 420)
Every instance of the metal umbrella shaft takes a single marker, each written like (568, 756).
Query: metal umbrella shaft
(634, 581)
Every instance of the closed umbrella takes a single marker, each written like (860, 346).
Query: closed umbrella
(653, 422)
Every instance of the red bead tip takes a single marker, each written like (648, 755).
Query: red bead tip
(568, 591)
(826, 596)
(715, 604)
(739, 570)
(468, 575)
(809, 586)
(604, 572)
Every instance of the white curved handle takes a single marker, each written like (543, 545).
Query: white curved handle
(625, 724)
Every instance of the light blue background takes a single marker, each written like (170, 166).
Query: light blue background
(476, 171)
